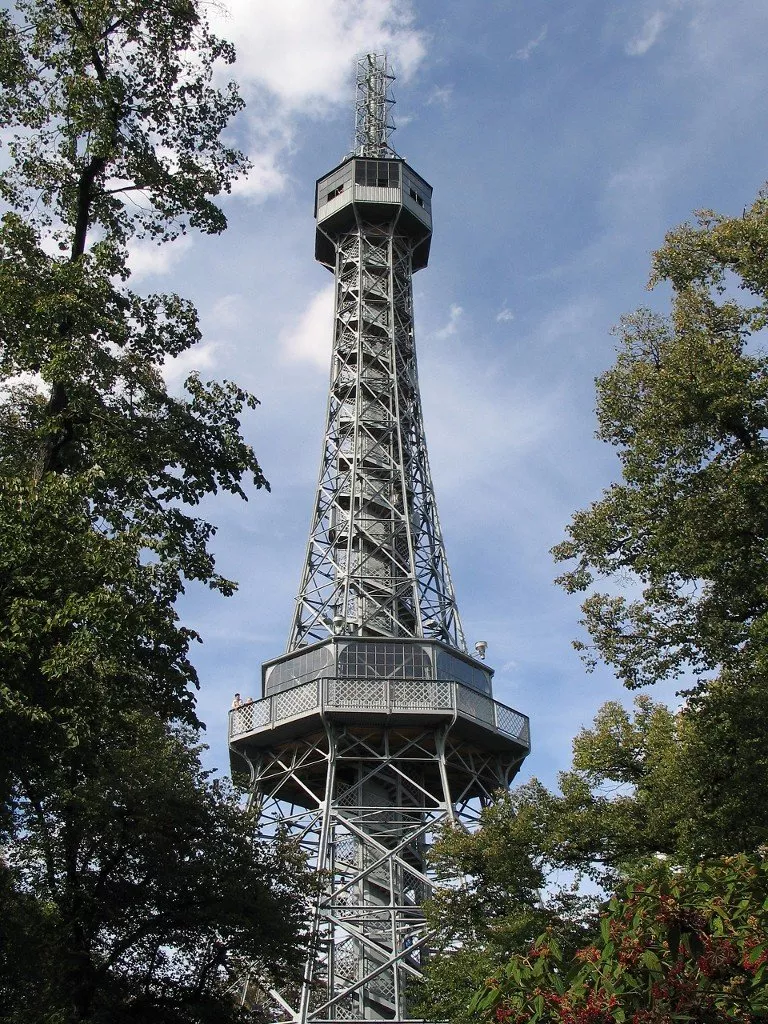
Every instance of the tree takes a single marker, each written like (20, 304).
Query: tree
(496, 909)
(677, 787)
(672, 947)
(683, 785)
(116, 135)
(132, 887)
(138, 889)
(686, 406)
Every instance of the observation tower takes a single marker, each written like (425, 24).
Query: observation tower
(375, 727)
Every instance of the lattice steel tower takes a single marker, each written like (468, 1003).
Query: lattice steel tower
(376, 726)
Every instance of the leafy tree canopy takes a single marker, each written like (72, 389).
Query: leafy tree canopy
(137, 888)
(115, 129)
(132, 887)
(683, 947)
(643, 788)
(686, 406)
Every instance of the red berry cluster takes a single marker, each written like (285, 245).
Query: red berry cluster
(537, 951)
(589, 955)
(750, 962)
(719, 956)
(596, 1009)
(507, 1015)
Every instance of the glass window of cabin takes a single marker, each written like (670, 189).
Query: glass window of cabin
(377, 173)
(450, 667)
(302, 669)
(384, 661)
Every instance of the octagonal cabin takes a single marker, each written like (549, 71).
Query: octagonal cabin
(373, 191)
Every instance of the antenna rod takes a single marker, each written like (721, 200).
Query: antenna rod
(373, 107)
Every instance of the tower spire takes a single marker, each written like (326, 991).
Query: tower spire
(375, 563)
(373, 107)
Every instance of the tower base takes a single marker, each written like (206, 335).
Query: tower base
(365, 802)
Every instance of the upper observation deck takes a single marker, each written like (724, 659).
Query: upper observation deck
(363, 190)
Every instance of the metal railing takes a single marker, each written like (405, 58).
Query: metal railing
(388, 696)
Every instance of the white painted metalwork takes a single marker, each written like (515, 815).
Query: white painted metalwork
(364, 803)
(375, 560)
(373, 106)
(376, 728)
(412, 698)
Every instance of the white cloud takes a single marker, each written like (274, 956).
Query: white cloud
(525, 51)
(648, 34)
(441, 94)
(504, 316)
(227, 311)
(455, 314)
(200, 357)
(483, 423)
(265, 177)
(295, 60)
(148, 258)
(574, 319)
(302, 50)
(309, 340)
(483, 429)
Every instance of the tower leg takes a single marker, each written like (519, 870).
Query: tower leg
(365, 805)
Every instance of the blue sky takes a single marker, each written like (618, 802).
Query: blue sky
(562, 139)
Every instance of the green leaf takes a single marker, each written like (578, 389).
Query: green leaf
(651, 961)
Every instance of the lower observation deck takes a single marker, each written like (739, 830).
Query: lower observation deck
(379, 702)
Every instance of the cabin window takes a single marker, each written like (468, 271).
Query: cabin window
(415, 196)
(377, 173)
(384, 661)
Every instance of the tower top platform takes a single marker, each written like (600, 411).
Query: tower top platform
(373, 191)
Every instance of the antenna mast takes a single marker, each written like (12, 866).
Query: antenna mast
(373, 107)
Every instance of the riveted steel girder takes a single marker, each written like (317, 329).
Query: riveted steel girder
(375, 563)
(364, 806)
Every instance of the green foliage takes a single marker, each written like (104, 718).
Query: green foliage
(114, 126)
(113, 98)
(686, 406)
(673, 946)
(654, 784)
(132, 886)
(88, 629)
(137, 887)
(495, 908)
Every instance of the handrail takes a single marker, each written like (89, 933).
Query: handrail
(387, 696)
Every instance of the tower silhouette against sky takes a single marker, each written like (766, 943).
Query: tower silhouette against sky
(375, 727)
